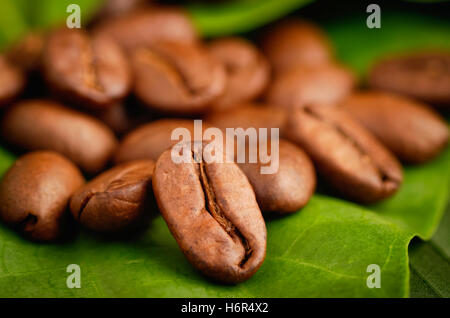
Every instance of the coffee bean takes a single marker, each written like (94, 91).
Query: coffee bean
(425, 76)
(290, 187)
(35, 192)
(116, 8)
(293, 43)
(151, 140)
(211, 210)
(308, 85)
(411, 130)
(26, 54)
(89, 71)
(351, 159)
(45, 125)
(247, 71)
(177, 78)
(145, 27)
(116, 200)
(12, 82)
(249, 115)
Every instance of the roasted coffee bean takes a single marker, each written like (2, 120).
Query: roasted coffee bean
(308, 85)
(90, 71)
(425, 76)
(35, 193)
(175, 77)
(119, 199)
(289, 188)
(249, 115)
(351, 159)
(151, 140)
(45, 125)
(26, 54)
(12, 82)
(411, 130)
(211, 210)
(247, 71)
(145, 27)
(293, 43)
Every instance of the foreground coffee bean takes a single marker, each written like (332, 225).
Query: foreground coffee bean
(35, 192)
(12, 82)
(345, 153)
(211, 210)
(249, 115)
(290, 187)
(293, 43)
(45, 125)
(411, 130)
(425, 76)
(150, 140)
(177, 78)
(116, 200)
(308, 85)
(89, 71)
(247, 71)
(145, 27)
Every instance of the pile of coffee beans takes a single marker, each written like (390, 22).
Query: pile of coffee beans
(101, 104)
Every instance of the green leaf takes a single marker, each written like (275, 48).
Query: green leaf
(322, 252)
(359, 46)
(232, 17)
(12, 23)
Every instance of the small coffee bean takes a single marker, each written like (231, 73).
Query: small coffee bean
(116, 200)
(90, 71)
(249, 115)
(309, 85)
(425, 76)
(35, 193)
(150, 140)
(351, 159)
(247, 71)
(293, 43)
(211, 210)
(26, 54)
(145, 27)
(411, 130)
(45, 125)
(290, 187)
(177, 78)
(12, 82)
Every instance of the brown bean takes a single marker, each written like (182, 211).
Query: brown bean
(45, 125)
(411, 130)
(211, 210)
(35, 193)
(293, 43)
(290, 187)
(145, 27)
(247, 71)
(425, 76)
(151, 140)
(345, 153)
(177, 78)
(308, 85)
(12, 82)
(117, 200)
(90, 71)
